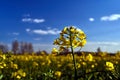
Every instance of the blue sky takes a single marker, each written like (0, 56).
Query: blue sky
(40, 21)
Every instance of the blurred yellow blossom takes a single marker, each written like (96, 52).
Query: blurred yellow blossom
(15, 66)
(2, 65)
(109, 65)
(18, 77)
(43, 63)
(2, 57)
(64, 30)
(92, 66)
(89, 57)
(78, 65)
(35, 64)
(18, 74)
(84, 63)
(58, 73)
(54, 50)
(24, 74)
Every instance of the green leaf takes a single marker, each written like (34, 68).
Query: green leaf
(89, 78)
(1, 76)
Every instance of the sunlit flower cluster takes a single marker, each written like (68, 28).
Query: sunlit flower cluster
(19, 74)
(71, 36)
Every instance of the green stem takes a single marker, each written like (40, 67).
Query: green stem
(74, 61)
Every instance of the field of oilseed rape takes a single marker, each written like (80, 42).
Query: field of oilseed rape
(87, 66)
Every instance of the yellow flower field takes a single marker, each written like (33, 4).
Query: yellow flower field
(54, 67)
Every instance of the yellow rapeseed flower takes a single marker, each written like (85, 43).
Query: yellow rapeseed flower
(109, 66)
(82, 35)
(58, 73)
(48, 62)
(2, 57)
(56, 42)
(2, 65)
(89, 57)
(84, 63)
(67, 42)
(82, 43)
(35, 64)
(78, 65)
(61, 37)
(43, 63)
(15, 66)
(70, 65)
(72, 30)
(54, 50)
(64, 31)
(23, 74)
(59, 65)
(92, 66)
(71, 36)
(18, 77)
(26, 58)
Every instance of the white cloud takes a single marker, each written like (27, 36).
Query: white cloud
(45, 32)
(40, 31)
(38, 20)
(91, 19)
(27, 20)
(28, 30)
(33, 20)
(112, 17)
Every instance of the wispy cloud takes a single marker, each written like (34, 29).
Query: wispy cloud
(33, 20)
(112, 17)
(37, 39)
(14, 33)
(105, 43)
(91, 19)
(26, 15)
(105, 46)
(46, 32)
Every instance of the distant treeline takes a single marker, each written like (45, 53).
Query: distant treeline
(19, 48)
(27, 48)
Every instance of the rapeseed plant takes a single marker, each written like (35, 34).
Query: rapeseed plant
(71, 37)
